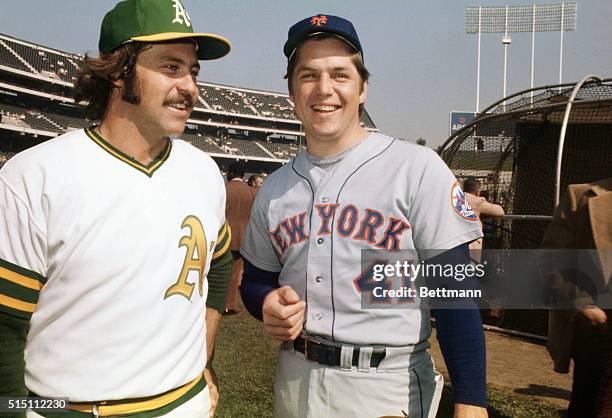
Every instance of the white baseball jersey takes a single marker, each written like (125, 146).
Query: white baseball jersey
(109, 257)
(310, 224)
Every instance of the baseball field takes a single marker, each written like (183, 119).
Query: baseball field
(245, 359)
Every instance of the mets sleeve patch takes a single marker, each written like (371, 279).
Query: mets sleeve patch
(460, 204)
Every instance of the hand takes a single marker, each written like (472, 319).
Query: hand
(593, 316)
(470, 411)
(213, 386)
(283, 314)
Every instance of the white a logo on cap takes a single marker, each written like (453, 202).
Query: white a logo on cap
(181, 14)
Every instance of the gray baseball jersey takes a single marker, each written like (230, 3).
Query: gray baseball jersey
(310, 224)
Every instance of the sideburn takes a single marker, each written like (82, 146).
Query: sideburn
(130, 89)
(130, 82)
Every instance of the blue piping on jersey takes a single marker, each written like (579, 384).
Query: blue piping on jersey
(331, 267)
(312, 192)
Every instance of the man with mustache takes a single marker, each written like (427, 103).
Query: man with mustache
(114, 249)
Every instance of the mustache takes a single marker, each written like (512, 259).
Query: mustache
(183, 98)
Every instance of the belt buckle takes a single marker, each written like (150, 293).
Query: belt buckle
(307, 342)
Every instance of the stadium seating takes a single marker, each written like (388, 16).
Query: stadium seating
(224, 99)
(245, 147)
(204, 142)
(283, 149)
(272, 106)
(46, 63)
(8, 58)
(24, 118)
(68, 122)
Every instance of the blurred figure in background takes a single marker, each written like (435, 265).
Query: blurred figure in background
(480, 206)
(583, 221)
(240, 198)
(255, 181)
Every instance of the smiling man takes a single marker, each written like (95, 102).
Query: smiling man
(352, 191)
(114, 260)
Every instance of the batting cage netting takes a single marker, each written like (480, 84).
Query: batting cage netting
(512, 148)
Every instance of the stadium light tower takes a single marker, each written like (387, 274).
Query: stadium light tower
(560, 17)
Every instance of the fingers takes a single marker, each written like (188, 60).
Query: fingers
(286, 329)
(288, 296)
(592, 315)
(211, 382)
(288, 322)
(283, 314)
(283, 303)
(213, 406)
(284, 333)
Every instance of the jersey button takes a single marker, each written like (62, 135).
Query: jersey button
(324, 199)
(320, 241)
(317, 316)
(319, 279)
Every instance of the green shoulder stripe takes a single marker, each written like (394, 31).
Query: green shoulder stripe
(223, 241)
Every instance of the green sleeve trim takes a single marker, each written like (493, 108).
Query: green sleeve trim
(219, 277)
(17, 291)
(223, 241)
(22, 271)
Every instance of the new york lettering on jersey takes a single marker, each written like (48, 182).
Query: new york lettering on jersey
(350, 222)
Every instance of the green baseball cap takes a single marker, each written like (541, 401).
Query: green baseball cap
(156, 21)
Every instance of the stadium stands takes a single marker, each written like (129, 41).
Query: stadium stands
(272, 106)
(204, 142)
(43, 61)
(47, 63)
(245, 147)
(27, 118)
(10, 58)
(283, 149)
(68, 122)
(232, 100)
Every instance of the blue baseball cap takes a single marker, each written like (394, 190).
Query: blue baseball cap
(321, 23)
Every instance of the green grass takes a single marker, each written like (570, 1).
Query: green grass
(244, 362)
(245, 359)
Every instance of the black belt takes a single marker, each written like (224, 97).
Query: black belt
(328, 353)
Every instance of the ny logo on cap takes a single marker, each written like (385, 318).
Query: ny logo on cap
(318, 20)
(181, 14)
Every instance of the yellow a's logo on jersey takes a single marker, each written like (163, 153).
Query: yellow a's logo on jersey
(195, 259)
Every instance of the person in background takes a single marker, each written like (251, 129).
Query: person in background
(480, 206)
(240, 199)
(255, 180)
(583, 220)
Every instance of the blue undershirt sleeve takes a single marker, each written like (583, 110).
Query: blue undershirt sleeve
(256, 284)
(461, 338)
